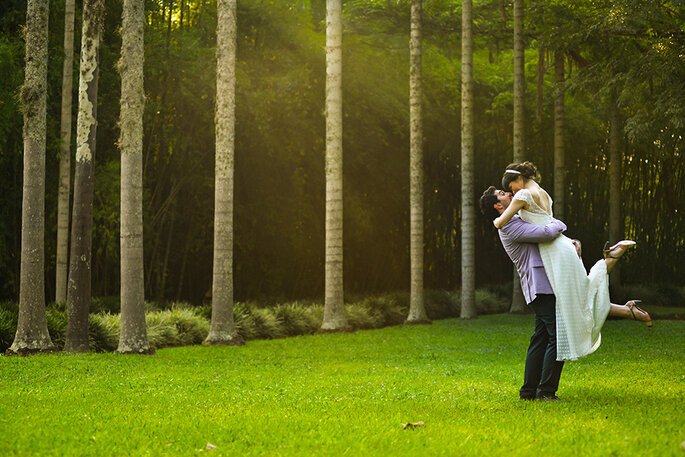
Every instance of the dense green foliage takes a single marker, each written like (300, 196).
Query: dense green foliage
(349, 394)
(629, 49)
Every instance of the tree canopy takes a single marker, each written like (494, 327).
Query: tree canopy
(633, 50)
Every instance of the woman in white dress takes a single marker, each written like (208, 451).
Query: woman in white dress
(582, 299)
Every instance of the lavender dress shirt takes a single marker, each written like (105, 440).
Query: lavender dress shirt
(520, 239)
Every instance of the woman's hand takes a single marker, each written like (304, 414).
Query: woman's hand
(508, 213)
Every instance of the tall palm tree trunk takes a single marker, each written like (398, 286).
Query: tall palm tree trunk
(559, 158)
(32, 328)
(78, 290)
(133, 337)
(334, 310)
(65, 157)
(468, 214)
(518, 302)
(417, 309)
(222, 329)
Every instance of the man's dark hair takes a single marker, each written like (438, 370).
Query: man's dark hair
(487, 203)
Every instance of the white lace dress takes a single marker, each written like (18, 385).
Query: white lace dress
(582, 300)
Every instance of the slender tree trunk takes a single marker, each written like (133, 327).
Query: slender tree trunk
(518, 302)
(468, 214)
(78, 290)
(168, 29)
(519, 83)
(65, 157)
(417, 309)
(32, 328)
(540, 84)
(180, 22)
(615, 159)
(133, 337)
(334, 318)
(222, 330)
(559, 166)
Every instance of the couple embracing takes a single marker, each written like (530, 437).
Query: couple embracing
(570, 305)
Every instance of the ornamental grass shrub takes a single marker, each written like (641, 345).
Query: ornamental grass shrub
(359, 317)
(488, 302)
(387, 310)
(191, 328)
(161, 331)
(182, 324)
(252, 322)
(8, 326)
(296, 319)
(57, 326)
(267, 325)
(103, 332)
(442, 304)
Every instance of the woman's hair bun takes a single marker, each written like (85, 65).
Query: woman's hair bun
(527, 169)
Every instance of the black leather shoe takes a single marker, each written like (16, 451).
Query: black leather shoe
(521, 397)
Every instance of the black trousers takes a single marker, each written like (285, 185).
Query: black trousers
(543, 371)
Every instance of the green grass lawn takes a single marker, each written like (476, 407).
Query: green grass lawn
(348, 394)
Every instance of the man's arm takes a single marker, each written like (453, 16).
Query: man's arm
(519, 231)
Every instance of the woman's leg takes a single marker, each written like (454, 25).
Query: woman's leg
(612, 256)
(624, 312)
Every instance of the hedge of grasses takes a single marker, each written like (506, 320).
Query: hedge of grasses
(181, 324)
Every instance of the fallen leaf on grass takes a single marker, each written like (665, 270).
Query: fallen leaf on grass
(412, 425)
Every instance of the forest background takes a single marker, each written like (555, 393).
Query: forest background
(626, 53)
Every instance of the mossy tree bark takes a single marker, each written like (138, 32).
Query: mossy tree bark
(79, 286)
(32, 328)
(65, 157)
(518, 302)
(222, 330)
(417, 309)
(334, 318)
(133, 337)
(468, 213)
